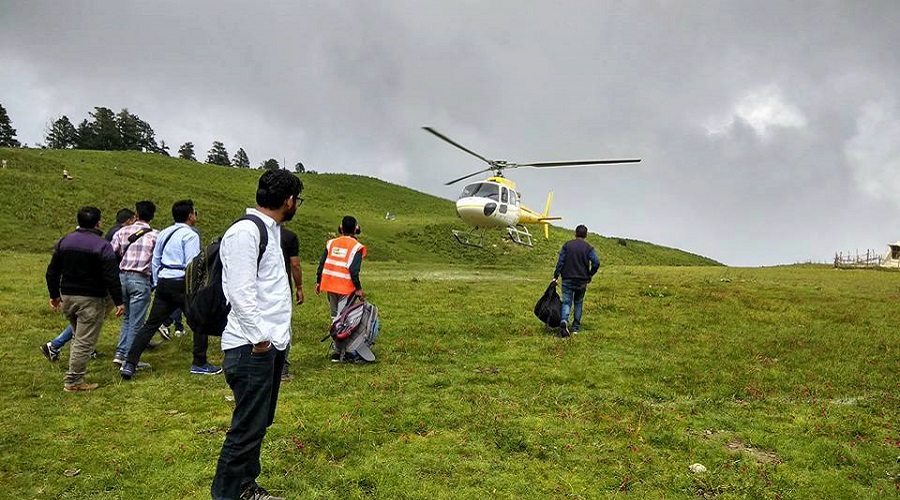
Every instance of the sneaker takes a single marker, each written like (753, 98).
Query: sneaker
(141, 365)
(206, 369)
(95, 354)
(336, 357)
(179, 332)
(258, 494)
(83, 386)
(49, 352)
(285, 375)
(563, 329)
(118, 361)
(128, 370)
(164, 332)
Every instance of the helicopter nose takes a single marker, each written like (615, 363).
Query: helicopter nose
(489, 208)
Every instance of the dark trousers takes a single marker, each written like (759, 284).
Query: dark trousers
(168, 297)
(255, 380)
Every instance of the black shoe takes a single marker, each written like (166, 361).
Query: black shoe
(95, 355)
(258, 494)
(49, 352)
(336, 357)
(563, 329)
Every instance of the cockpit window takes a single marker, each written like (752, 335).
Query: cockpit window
(482, 189)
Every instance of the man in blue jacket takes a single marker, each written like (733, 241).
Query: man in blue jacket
(577, 264)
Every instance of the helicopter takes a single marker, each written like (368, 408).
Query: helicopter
(495, 203)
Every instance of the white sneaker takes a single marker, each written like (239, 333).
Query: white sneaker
(164, 332)
(179, 333)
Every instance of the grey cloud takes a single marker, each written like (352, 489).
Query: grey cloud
(346, 86)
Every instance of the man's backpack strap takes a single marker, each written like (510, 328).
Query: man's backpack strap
(134, 237)
(263, 235)
(162, 252)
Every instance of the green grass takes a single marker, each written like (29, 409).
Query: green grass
(781, 381)
(35, 197)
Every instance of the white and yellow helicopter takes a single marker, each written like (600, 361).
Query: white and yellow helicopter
(495, 203)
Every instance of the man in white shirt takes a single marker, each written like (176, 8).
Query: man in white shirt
(257, 333)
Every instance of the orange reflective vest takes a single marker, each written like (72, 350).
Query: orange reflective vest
(336, 271)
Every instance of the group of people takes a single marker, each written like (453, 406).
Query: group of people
(140, 269)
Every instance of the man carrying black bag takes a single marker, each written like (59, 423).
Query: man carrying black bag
(575, 257)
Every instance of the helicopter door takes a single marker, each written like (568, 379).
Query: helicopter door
(504, 199)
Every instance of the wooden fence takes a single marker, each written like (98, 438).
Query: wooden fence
(855, 260)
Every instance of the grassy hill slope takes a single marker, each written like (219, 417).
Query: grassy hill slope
(41, 206)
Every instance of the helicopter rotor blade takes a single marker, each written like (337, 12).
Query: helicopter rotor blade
(470, 175)
(578, 163)
(444, 137)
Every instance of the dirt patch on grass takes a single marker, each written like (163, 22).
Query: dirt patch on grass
(761, 456)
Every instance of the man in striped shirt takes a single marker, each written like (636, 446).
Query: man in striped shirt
(134, 246)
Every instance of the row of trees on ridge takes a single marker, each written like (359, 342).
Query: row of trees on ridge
(124, 131)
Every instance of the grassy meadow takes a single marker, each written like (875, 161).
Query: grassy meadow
(783, 382)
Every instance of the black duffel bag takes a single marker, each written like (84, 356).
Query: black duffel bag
(549, 307)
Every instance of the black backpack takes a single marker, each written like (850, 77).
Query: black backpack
(205, 307)
(549, 307)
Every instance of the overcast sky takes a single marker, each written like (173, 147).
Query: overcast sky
(769, 130)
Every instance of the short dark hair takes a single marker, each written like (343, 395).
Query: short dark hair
(145, 210)
(123, 215)
(276, 186)
(348, 225)
(88, 217)
(581, 231)
(182, 209)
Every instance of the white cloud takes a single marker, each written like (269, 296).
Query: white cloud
(874, 153)
(762, 109)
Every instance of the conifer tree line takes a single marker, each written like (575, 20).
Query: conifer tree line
(124, 131)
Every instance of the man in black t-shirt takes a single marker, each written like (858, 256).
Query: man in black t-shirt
(290, 246)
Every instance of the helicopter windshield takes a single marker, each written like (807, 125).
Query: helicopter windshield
(482, 190)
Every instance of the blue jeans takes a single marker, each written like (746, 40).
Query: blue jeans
(570, 294)
(64, 337)
(136, 291)
(255, 380)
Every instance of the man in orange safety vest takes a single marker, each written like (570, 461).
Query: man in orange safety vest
(338, 272)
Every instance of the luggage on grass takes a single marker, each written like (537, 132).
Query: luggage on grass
(549, 307)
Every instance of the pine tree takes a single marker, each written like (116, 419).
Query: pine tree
(129, 131)
(106, 130)
(299, 168)
(62, 134)
(270, 164)
(85, 136)
(241, 160)
(163, 148)
(218, 155)
(186, 151)
(7, 133)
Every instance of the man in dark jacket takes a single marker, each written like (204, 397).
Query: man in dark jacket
(575, 257)
(82, 271)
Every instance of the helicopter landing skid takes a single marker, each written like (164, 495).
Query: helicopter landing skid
(520, 235)
(472, 238)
